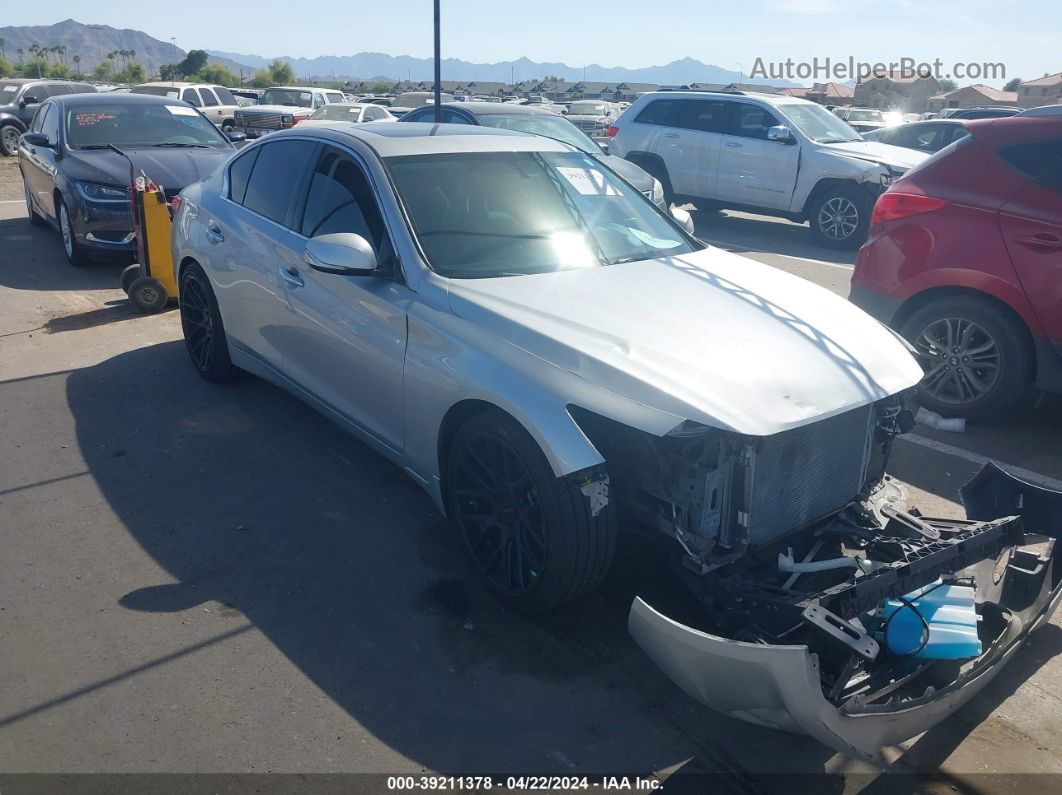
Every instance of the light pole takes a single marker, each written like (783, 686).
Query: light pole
(741, 74)
(438, 68)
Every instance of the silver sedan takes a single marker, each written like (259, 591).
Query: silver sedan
(551, 357)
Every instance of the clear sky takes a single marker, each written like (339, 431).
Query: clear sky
(1023, 34)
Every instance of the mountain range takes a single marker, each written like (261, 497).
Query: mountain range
(402, 67)
(93, 42)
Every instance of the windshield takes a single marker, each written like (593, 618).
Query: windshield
(158, 91)
(287, 96)
(546, 124)
(818, 124)
(337, 113)
(488, 214)
(865, 115)
(133, 126)
(588, 109)
(7, 92)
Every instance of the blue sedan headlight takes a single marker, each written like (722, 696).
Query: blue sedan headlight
(95, 192)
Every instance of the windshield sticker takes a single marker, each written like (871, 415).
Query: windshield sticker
(587, 182)
(180, 110)
(88, 119)
(649, 240)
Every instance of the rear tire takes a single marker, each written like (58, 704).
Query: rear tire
(538, 540)
(34, 217)
(204, 332)
(840, 217)
(988, 365)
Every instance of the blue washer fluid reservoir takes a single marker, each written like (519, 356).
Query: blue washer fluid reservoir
(949, 612)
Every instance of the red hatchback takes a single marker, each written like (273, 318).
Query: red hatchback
(964, 259)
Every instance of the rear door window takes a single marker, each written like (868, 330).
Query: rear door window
(240, 174)
(659, 111)
(280, 166)
(189, 96)
(1033, 158)
(705, 115)
(209, 100)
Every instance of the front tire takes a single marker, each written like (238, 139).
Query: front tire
(9, 135)
(74, 254)
(538, 540)
(840, 217)
(204, 332)
(976, 356)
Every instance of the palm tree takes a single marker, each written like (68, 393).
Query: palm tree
(60, 51)
(35, 50)
(21, 53)
(77, 63)
(131, 54)
(3, 56)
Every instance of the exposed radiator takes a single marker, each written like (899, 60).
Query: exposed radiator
(807, 473)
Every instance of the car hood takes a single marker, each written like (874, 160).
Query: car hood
(877, 152)
(631, 172)
(710, 336)
(173, 169)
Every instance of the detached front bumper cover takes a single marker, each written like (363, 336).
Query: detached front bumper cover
(780, 686)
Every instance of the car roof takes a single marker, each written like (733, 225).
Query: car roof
(422, 138)
(112, 98)
(305, 88)
(770, 99)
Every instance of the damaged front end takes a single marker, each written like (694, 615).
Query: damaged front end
(826, 607)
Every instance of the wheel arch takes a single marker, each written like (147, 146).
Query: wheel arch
(826, 184)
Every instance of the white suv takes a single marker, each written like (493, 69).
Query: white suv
(761, 153)
(215, 102)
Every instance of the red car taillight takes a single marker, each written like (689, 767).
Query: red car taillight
(891, 206)
(611, 132)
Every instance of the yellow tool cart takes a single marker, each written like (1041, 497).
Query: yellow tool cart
(149, 283)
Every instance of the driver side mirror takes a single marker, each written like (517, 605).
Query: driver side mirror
(341, 252)
(29, 99)
(780, 133)
(37, 139)
(236, 137)
(685, 220)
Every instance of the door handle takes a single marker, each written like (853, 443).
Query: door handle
(734, 144)
(1041, 241)
(292, 277)
(670, 135)
(213, 233)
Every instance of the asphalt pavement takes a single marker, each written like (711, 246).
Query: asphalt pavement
(203, 578)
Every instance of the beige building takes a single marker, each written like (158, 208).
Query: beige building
(1046, 90)
(896, 91)
(831, 94)
(975, 96)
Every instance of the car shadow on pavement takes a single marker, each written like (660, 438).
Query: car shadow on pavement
(33, 259)
(259, 508)
(741, 233)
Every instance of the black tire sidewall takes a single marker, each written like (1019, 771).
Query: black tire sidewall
(77, 256)
(657, 170)
(863, 205)
(562, 562)
(3, 148)
(221, 366)
(1011, 341)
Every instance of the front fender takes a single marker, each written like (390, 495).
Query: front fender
(449, 360)
(11, 120)
(828, 167)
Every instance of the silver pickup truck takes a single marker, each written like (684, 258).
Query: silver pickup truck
(282, 107)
